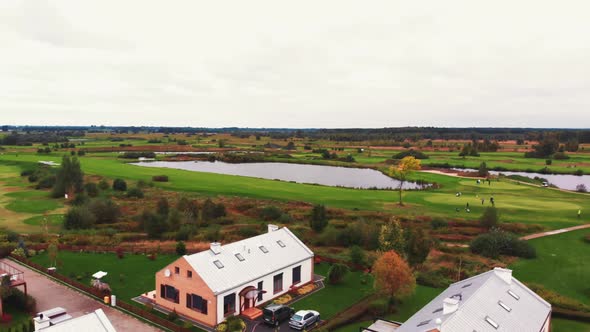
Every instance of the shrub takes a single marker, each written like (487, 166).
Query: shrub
(560, 156)
(557, 299)
(135, 192)
(119, 185)
(212, 210)
(319, 218)
(433, 279)
(172, 315)
(490, 217)
(79, 217)
(105, 210)
(438, 222)
(581, 188)
(160, 178)
(162, 207)
(46, 182)
(357, 255)
(410, 153)
(180, 248)
(103, 184)
(91, 189)
(154, 224)
(336, 273)
(496, 243)
(270, 213)
(234, 324)
(120, 253)
(378, 307)
(17, 299)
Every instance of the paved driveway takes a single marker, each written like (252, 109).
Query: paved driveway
(50, 294)
(261, 327)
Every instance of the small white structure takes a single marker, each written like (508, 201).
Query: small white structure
(57, 320)
(99, 275)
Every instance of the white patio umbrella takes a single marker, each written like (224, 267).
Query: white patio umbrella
(99, 274)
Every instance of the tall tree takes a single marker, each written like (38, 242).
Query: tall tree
(70, 178)
(418, 246)
(319, 218)
(393, 276)
(391, 236)
(402, 171)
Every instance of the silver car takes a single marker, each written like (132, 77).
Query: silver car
(303, 319)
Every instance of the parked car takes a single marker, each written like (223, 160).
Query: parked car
(303, 319)
(275, 314)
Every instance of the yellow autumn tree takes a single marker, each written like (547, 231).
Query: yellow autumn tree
(402, 171)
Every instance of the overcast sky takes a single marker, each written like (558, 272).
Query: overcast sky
(522, 63)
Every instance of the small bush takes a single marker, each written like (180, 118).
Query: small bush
(357, 256)
(119, 185)
(103, 184)
(560, 156)
(433, 279)
(135, 192)
(410, 153)
(91, 189)
(172, 316)
(437, 223)
(270, 213)
(180, 248)
(496, 243)
(336, 273)
(160, 178)
(378, 307)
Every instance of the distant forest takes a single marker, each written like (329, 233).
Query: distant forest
(48, 134)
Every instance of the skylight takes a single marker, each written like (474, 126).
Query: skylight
(281, 244)
(240, 257)
(218, 264)
(264, 250)
(424, 322)
(491, 322)
(513, 294)
(466, 285)
(503, 305)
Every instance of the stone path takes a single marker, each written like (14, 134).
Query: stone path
(50, 294)
(557, 231)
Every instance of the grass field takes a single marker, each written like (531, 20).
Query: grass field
(561, 265)
(128, 277)
(335, 298)
(517, 202)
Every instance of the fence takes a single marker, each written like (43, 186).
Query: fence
(100, 294)
(129, 249)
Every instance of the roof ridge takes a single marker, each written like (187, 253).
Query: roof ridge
(288, 231)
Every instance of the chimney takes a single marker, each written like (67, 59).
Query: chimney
(41, 322)
(272, 228)
(450, 305)
(504, 274)
(216, 247)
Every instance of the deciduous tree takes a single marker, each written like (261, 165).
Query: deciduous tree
(403, 170)
(393, 276)
(391, 236)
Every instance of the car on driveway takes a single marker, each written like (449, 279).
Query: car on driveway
(275, 314)
(302, 319)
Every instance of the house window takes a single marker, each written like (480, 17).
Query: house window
(229, 304)
(169, 293)
(197, 303)
(260, 291)
(277, 283)
(189, 274)
(176, 270)
(296, 275)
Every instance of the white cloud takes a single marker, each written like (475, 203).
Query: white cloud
(299, 64)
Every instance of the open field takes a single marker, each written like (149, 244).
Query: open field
(128, 277)
(561, 265)
(516, 202)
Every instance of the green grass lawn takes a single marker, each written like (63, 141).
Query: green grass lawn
(33, 205)
(517, 202)
(563, 325)
(335, 298)
(562, 265)
(137, 271)
(55, 221)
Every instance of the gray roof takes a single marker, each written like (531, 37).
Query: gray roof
(282, 247)
(482, 302)
(95, 321)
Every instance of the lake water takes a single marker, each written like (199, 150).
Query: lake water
(324, 175)
(562, 181)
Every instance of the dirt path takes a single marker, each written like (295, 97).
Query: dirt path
(557, 231)
(50, 294)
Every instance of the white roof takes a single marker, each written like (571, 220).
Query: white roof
(483, 301)
(95, 321)
(255, 263)
(99, 274)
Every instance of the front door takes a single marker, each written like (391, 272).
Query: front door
(247, 303)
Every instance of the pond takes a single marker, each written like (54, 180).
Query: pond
(562, 181)
(363, 178)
